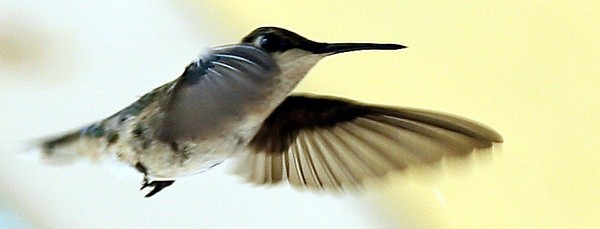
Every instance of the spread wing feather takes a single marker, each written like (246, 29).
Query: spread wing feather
(335, 144)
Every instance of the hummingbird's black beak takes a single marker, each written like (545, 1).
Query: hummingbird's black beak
(336, 48)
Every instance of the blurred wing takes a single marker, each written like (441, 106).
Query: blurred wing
(331, 143)
(213, 91)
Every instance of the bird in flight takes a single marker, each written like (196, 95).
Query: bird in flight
(236, 102)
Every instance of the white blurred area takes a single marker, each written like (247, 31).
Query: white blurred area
(63, 65)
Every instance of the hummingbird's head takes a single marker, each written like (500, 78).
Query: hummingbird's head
(277, 41)
(295, 55)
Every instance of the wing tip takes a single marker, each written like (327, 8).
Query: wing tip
(497, 138)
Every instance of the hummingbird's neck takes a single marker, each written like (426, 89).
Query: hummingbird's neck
(294, 65)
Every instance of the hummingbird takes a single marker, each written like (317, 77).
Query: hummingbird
(236, 102)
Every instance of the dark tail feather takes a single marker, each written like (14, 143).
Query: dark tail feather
(68, 148)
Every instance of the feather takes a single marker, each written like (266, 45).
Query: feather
(336, 144)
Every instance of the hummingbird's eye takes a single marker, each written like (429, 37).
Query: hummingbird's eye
(271, 43)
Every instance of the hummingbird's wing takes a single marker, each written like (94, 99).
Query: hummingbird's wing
(332, 143)
(212, 92)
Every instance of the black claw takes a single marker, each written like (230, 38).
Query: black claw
(158, 186)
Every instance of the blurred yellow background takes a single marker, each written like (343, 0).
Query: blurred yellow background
(530, 69)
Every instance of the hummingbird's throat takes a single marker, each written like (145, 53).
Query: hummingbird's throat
(294, 65)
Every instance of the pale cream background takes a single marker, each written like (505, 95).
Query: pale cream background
(530, 69)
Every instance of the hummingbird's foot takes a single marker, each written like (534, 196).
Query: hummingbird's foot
(158, 186)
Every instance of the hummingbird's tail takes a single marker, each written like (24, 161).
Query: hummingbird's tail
(69, 148)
